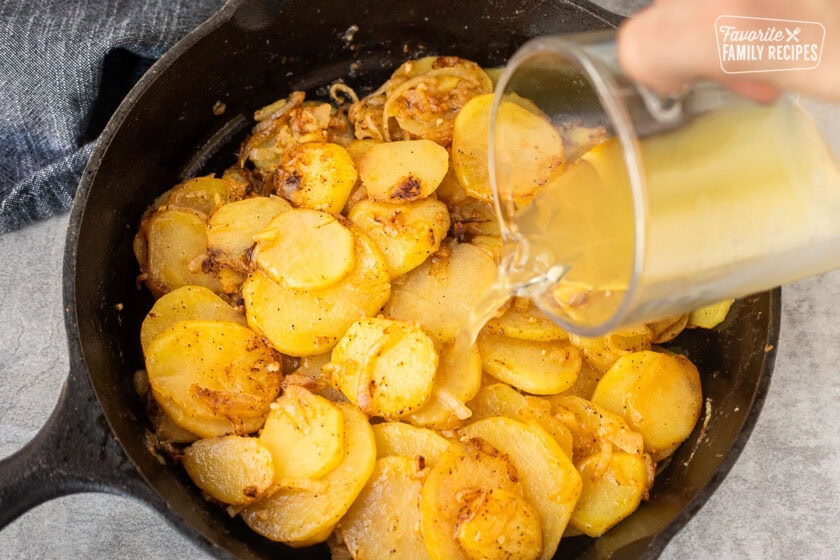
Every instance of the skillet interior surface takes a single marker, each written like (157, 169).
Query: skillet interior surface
(252, 53)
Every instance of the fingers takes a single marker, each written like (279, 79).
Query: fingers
(672, 43)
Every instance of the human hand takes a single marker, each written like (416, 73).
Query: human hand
(672, 43)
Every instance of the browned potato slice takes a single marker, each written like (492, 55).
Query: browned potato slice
(659, 395)
(457, 380)
(611, 495)
(399, 438)
(235, 470)
(499, 399)
(385, 367)
(551, 483)
(457, 491)
(213, 378)
(231, 228)
(524, 320)
(203, 194)
(184, 304)
(407, 234)
(594, 426)
(301, 516)
(540, 368)
(305, 435)
(440, 293)
(529, 152)
(310, 323)
(177, 249)
(305, 249)
(317, 175)
(403, 171)
(384, 521)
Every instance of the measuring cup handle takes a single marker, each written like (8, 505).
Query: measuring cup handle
(74, 452)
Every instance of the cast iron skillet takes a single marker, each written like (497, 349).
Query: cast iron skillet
(247, 55)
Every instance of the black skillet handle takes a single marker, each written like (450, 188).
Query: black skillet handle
(74, 452)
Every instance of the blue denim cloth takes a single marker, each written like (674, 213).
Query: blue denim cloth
(64, 67)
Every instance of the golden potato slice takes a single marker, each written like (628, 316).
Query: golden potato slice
(550, 481)
(231, 228)
(407, 234)
(203, 194)
(184, 304)
(529, 150)
(403, 171)
(302, 517)
(440, 293)
(611, 495)
(305, 435)
(586, 381)
(524, 320)
(317, 175)
(386, 367)
(492, 244)
(659, 395)
(213, 378)
(384, 521)
(310, 323)
(593, 426)
(453, 493)
(710, 316)
(235, 470)
(177, 249)
(497, 525)
(305, 249)
(457, 381)
(399, 438)
(540, 368)
(499, 399)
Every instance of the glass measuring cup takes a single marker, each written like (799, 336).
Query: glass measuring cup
(644, 207)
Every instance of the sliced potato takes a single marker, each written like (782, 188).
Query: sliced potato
(231, 228)
(177, 249)
(305, 249)
(667, 329)
(611, 495)
(659, 395)
(384, 521)
(399, 438)
(596, 352)
(305, 435)
(550, 481)
(441, 293)
(317, 175)
(453, 493)
(457, 380)
(540, 368)
(184, 304)
(710, 316)
(386, 367)
(490, 243)
(235, 470)
(213, 378)
(301, 516)
(358, 148)
(407, 234)
(497, 525)
(499, 399)
(524, 320)
(403, 171)
(202, 194)
(529, 150)
(310, 323)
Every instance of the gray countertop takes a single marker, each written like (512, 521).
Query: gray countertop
(781, 500)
